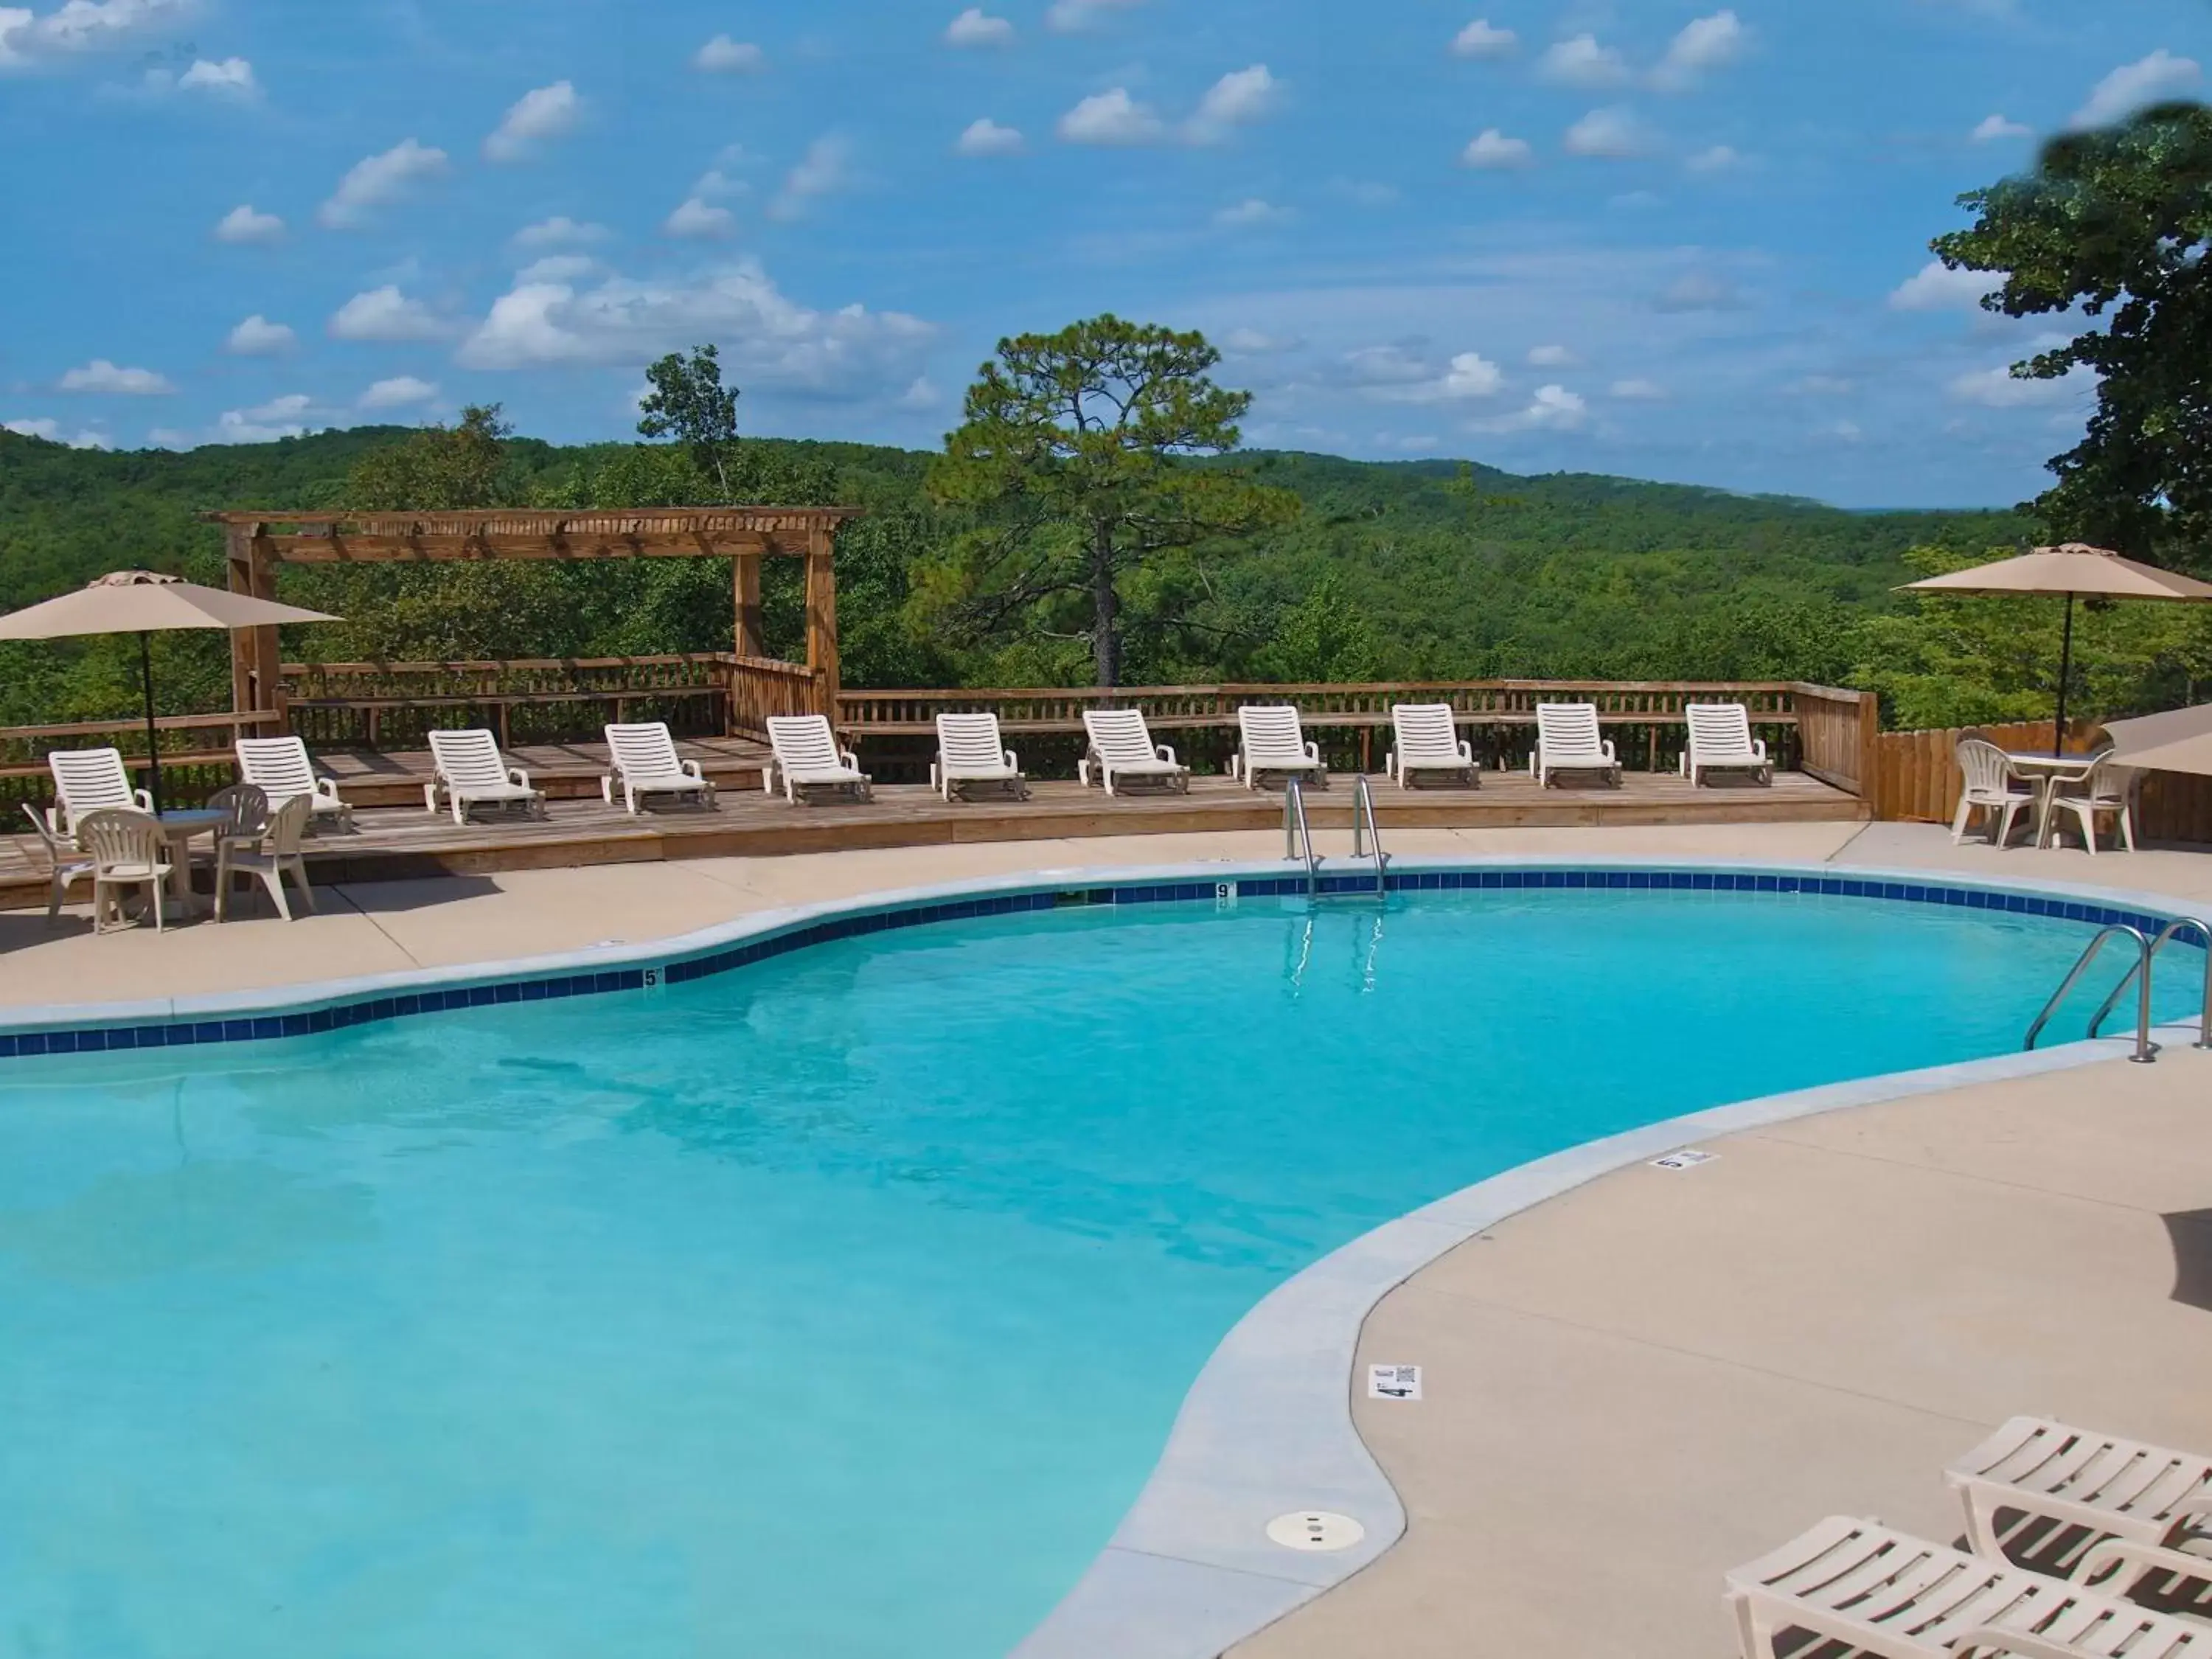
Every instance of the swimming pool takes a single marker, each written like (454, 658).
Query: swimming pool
(838, 1304)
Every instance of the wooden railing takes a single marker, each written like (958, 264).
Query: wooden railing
(1836, 735)
(762, 686)
(394, 705)
(191, 765)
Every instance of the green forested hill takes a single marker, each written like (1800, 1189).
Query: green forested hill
(1403, 570)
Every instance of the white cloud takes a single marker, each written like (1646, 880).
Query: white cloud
(1394, 374)
(1997, 388)
(257, 337)
(1720, 158)
(1252, 213)
(1610, 134)
(1251, 343)
(986, 137)
(558, 268)
(1699, 290)
(1553, 409)
(1705, 44)
(1067, 16)
(1936, 286)
(376, 181)
(559, 231)
(539, 115)
(1491, 149)
(385, 313)
(81, 26)
(723, 55)
(1638, 391)
(922, 394)
(1237, 99)
(1991, 128)
(825, 169)
(231, 78)
(1111, 118)
(973, 28)
(1552, 357)
(243, 225)
(696, 219)
(2129, 87)
(397, 392)
(100, 375)
(51, 430)
(1481, 38)
(277, 418)
(1581, 62)
(766, 339)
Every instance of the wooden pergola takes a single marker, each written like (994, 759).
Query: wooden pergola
(257, 542)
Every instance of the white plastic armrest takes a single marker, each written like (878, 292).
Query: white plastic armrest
(144, 797)
(1236, 766)
(1167, 755)
(1012, 765)
(849, 758)
(1611, 758)
(1391, 763)
(768, 777)
(690, 770)
(1759, 748)
(1313, 753)
(2135, 1560)
(521, 778)
(1082, 771)
(1466, 751)
(936, 769)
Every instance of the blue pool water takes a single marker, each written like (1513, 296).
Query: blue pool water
(837, 1306)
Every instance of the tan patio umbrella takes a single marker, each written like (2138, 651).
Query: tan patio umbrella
(144, 602)
(2178, 740)
(2074, 570)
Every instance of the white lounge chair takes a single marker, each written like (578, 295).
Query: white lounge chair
(469, 768)
(64, 865)
(1720, 741)
(1889, 1595)
(272, 856)
(1991, 786)
(807, 759)
(1425, 738)
(279, 768)
(1121, 747)
(1272, 739)
(643, 757)
(1568, 740)
(969, 752)
(90, 781)
(2121, 1506)
(127, 850)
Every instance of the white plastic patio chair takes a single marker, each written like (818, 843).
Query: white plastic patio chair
(469, 768)
(1122, 748)
(806, 756)
(1890, 1595)
(643, 756)
(1271, 739)
(1720, 741)
(127, 851)
(279, 768)
(1568, 740)
(65, 864)
(969, 752)
(271, 855)
(90, 780)
(1991, 786)
(2106, 1505)
(2101, 790)
(1426, 740)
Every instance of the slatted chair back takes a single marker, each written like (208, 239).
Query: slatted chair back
(643, 750)
(1426, 732)
(1988, 773)
(121, 841)
(1119, 736)
(287, 824)
(89, 780)
(804, 743)
(1568, 730)
(245, 807)
(1271, 736)
(57, 855)
(970, 742)
(469, 760)
(1719, 729)
(278, 766)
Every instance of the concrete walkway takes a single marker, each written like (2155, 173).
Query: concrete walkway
(1665, 1374)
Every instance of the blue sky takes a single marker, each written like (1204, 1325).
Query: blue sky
(1672, 241)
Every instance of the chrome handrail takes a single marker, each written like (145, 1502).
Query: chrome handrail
(1363, 818)
(1298, 835)
(2146, 1050)
(2167, 934)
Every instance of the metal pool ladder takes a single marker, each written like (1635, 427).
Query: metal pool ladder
(2139, 975)
(1366, 836)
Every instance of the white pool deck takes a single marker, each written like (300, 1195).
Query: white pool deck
(1631, 1387)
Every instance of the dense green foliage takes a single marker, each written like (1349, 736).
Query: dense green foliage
(1420, 569)
(2115, 225)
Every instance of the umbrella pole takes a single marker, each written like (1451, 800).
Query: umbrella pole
(2065, 673)
(153, 734)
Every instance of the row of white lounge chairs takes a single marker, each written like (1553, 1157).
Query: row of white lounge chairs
(2116, 1517)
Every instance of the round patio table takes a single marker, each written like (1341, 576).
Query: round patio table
(180, 825)
(2043, 769)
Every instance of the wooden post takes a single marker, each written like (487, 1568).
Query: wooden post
(238, 565)
(1870, 789)
(267, 661)
(749, 639)
(822, 619)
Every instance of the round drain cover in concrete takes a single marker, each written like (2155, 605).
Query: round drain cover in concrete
(1315, 1530)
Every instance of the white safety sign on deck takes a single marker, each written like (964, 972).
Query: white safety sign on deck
(1688, 1159)
(1394, 1382)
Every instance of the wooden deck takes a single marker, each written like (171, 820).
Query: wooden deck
(404, 841)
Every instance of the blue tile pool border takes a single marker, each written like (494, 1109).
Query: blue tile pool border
(307, 1010)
